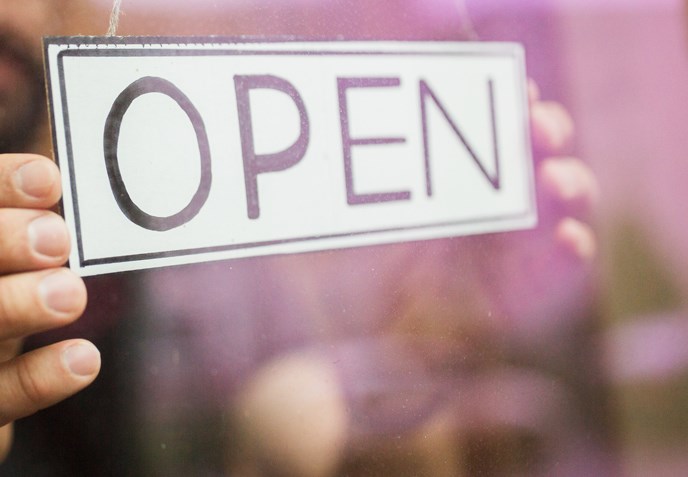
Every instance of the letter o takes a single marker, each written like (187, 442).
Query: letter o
(111, 134)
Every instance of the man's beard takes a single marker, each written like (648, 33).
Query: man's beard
(22, 108)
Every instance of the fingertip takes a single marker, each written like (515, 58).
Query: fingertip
(570, 182)
(533, 91)
(552, 127)
(577, 238)
(82, 359)
(63, 293)
(45, 376)
(49, 238)
(38, 180)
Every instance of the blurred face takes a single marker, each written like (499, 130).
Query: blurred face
(22, 95)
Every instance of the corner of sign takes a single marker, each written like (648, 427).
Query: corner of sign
(533, 219)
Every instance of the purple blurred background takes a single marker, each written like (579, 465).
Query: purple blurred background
(621, 67)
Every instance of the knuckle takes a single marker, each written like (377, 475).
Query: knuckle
(13, 303)
(30, 386)
(8, 187)
(5, 306)
(13, 248)
(28, 180)
(8, 307)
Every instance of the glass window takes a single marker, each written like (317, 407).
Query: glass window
(553, 351)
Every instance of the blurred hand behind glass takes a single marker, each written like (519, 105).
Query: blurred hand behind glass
(423, 372)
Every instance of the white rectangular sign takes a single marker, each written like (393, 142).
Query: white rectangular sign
(188, 150)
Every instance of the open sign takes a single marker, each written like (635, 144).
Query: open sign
(192, 150)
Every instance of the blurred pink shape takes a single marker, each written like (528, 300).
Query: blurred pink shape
(651, 349)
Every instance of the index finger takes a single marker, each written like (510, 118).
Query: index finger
(551, 126)
(45, 376)
(28, 181)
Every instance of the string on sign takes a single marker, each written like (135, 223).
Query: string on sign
(114, 18)
(466, 23)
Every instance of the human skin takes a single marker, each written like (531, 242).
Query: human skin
(293, 415)
(36, 294)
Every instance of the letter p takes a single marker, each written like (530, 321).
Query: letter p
(255, 164)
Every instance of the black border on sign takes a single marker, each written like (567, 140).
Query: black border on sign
(244, 42)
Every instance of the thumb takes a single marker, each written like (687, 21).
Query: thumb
(41, 378)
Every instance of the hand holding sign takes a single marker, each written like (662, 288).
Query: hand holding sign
(465, 306)
(39, 379)
(521, 285)
(545, 281)
(35, 295)
(190, 150)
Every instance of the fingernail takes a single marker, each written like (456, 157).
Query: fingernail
(82, 359)
(31, 179)
(61, 292)
(48, 236)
